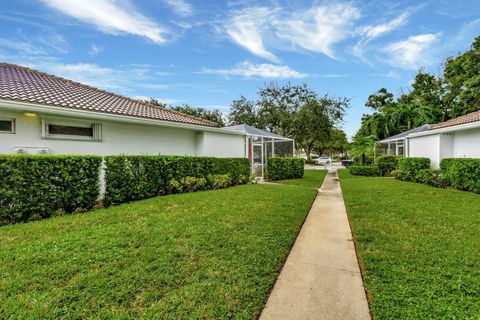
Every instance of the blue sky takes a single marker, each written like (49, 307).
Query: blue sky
(207, 53)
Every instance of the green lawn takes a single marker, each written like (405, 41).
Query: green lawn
(418, 246)
(311, 179)
(210, 255)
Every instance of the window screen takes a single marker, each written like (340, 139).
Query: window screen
(70, 130)
(6, 126)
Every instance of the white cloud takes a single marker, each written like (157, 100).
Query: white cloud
(111, 16)
(247, 69)
(413, 52)
(319, 28)
(248, 27)
(181, 7)
(375, 31)
(95, 49)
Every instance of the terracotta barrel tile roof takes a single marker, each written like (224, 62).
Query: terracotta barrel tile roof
(468, 118)
(24, 84)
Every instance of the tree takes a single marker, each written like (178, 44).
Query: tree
(244, 111)
(202, 113)
(462, 82)
(380, 100)
(314, 122)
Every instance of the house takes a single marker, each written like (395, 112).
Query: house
(455, 138)
(262, 144)
(396, 145)
(42, 113)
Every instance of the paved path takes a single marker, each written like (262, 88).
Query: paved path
(321, 278)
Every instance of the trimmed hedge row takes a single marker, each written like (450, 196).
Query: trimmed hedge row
(409, 167)
(462, 173)
(131, 178)
(368, 171)
(36, 187)
(284, 168)
(386, 164)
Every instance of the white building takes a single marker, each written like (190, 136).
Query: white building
(455, 138)
(42, 113)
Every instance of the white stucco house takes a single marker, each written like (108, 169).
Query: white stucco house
(455, 138)
(42, 113)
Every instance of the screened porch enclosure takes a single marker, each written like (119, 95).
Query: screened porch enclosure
(261, 145)
(262, 148)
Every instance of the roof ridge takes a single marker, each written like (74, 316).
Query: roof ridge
(100, 91)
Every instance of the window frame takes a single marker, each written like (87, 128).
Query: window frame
(12, 121)
(96, 128)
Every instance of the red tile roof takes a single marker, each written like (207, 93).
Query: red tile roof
(468, 118)
(24, 84)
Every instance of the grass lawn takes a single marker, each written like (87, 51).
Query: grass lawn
(418, 246)
(210, 255)
(311, 179)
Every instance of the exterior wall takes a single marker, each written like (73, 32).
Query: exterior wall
(222, 145)
(121, 138)
(425, 146)
(466, 144)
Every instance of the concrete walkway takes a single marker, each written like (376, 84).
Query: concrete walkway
(321, 278)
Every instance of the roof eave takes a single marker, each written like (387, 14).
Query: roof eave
(465, 126)
(79, 113)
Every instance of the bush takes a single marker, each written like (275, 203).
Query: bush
(284, 168)
(36, 186)
(219, 181)
(462, 173)
(187, 184)
(131, 178)
(370, 171)
(431, 177)
(387, 164)
(409, 167)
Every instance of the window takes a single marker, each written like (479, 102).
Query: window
(71, 130)
(7, 125)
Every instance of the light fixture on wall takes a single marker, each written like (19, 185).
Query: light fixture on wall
(30, 114)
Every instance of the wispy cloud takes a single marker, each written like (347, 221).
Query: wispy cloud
(319, 28)
(248, 27)
(412, 52)
(95, 49)
(111, 16)
(181, 7)
(248, 70)
(371, 32)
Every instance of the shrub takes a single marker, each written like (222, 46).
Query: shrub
(284, 168)
(370, 171)
(219, 181)
(37, 186)
(410, 167)
(462, 173)
(131, 178)
(387, 164)
(431, 177)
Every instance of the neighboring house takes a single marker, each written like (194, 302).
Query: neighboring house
(42, 113)
(396, 144)
(455, 138)
(262, 145)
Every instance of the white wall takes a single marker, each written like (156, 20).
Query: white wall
(466, 144)
(222, 145)
(425, 146)
(121, 138)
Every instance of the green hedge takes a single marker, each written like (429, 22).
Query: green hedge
(131, 178)
(36, 186)
(284, 168)
(431, 177)
(462, 173)
(369, 171)
(409, 167)
(387, 164)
